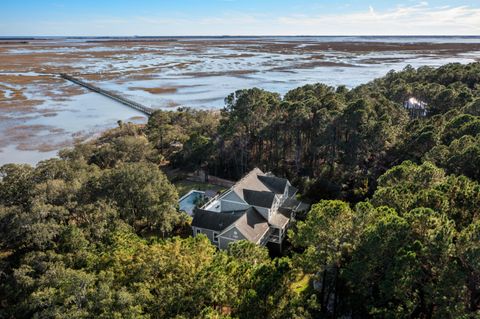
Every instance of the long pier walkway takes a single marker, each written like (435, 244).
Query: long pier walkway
(137, 106)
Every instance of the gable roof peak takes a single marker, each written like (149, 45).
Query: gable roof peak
(250, 181)
(275, 184)
(252, 225)
(259, 198)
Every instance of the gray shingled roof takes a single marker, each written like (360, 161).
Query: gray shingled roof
(256, 189)
(256, 180)
(292, 191)
(258, 198)
(281, 218)
(292, 204)
(250, 181)
(213, 220)
(252, 225)
(275, 184)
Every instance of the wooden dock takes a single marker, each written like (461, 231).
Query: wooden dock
(137, 106)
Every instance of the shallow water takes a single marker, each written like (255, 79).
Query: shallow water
(82, 117)
(198, 73)
(210, 91)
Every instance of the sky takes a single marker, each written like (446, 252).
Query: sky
(238, 17)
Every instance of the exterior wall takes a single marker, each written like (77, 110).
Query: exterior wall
(233, 233)
(231, 201)
(277, 202)
(280, 199)
(224, 242)
(230, 236)
(228, 202)
(285, 193)
(207, 232)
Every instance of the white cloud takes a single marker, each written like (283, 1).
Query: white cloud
(415, 19)
(418, 18)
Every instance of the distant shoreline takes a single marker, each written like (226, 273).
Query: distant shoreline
(234, 37)
(407, 39)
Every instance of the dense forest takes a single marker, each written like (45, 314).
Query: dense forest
(393, 232)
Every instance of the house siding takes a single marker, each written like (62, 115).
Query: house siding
(224, 242)
(277, 202)
(206, 232)
(233, 233)
(230, 236)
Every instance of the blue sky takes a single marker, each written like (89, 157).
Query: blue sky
(239, 17)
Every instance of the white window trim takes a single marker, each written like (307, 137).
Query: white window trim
(215, 234)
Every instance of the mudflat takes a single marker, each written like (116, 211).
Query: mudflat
(41, 112)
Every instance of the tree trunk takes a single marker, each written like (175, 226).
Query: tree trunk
(335, 294)
(323, 304)
(298, 151)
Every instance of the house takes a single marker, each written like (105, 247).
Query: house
(258, 208)
(415, 107)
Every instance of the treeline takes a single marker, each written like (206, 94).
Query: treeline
(334, 142)
(316, 134)
(394, 233)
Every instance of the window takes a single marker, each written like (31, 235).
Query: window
(197, 231)
(215, 237)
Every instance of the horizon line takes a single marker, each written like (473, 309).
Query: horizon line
(241, 35)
